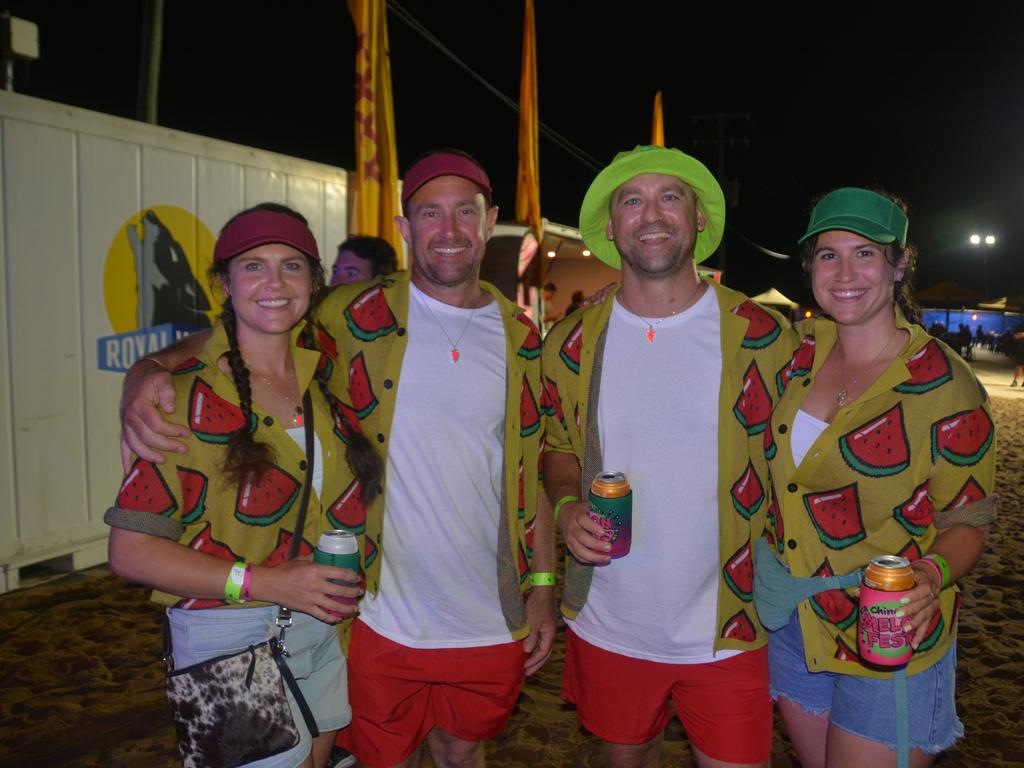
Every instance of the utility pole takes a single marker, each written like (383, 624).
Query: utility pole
(148, 93)
(729, 186)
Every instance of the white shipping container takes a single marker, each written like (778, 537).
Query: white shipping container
(98, 210)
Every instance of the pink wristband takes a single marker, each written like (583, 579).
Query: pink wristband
(935, 569)
(247, 582)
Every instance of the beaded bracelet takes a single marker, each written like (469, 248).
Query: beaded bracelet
(233, 585)
(936, 572)
(940, 561)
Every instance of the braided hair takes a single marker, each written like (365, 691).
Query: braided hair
(903, 288)
(247, 456)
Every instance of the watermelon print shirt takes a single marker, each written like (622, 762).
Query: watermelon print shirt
(920, 439)
(363, 335)
(757, 345)
(189, 499)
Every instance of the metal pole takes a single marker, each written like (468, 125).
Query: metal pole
(149, 61)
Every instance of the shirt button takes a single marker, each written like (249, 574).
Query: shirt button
(807, 382)
(783, 429)
(302, 465)
(401, 331)
(791, 543)
(791, 487)
(388, 383)
(380, 438)
(268, 420)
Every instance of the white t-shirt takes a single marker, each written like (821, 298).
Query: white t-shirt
(442, 503)
(298, 434)
(806, 429)
(658, 422)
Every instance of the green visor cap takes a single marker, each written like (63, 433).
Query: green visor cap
(862, 211)
(649, 159)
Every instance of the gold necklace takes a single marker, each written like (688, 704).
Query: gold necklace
(289, 400)
(841, 398)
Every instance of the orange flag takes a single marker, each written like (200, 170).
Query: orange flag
(657, 123)
(375, 195)
(528, 178)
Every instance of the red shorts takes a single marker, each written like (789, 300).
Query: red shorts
(723, 705)
(398, 694)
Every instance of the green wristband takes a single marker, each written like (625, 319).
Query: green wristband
(546, 579)
(940, 561)
(562, 501)
(233, 586)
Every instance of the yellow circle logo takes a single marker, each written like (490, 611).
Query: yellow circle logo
(157, 271)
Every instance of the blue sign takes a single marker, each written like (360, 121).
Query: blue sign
(118, 352)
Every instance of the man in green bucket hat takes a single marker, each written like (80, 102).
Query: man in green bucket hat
(670, 379)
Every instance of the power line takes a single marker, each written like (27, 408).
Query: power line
(554, 136)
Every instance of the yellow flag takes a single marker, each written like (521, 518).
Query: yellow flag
(374, 202)
(528, 178)
(657, 123)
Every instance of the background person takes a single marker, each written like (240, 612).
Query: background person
(362, 257)
(864, 463)
(184, 525)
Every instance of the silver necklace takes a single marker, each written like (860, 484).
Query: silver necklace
(842, 398)
(455, 354)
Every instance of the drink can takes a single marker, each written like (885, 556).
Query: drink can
(880, 636)
(611, 507)
(341, 549)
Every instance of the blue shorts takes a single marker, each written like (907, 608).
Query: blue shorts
(315, 659)
(865, 706)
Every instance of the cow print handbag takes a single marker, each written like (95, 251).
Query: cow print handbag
(232, 709)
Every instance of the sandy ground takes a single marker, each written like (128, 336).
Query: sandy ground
(81, 683)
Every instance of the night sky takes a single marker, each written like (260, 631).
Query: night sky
(928, 106)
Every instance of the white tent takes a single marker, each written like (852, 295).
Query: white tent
(775, 298)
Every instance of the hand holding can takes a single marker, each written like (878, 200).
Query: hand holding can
(881, 639)
(341, 549)
(611, 507)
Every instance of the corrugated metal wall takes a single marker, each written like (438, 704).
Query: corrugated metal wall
(71, 178)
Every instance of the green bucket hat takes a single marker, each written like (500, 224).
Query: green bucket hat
(594, 213)
(867, 213)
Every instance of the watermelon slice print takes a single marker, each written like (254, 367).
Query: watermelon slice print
(754, 405)
(833, 605)
(916, 513)
(205, 543)
(739, 627)
(968, 493)
(845, 652)
(346, 422)
(368, 316)
(521, 509)
(529, 416)
(836, 516)
(762, 328)
(144, 490)
(747, 493)
(283, 548)
(265, 500)
(770, 448)
(911, 551)
(530, 348)
(199, 603)
(212, 418)
(773, 530)
(194, 485)
(370, 552)
(739, 573)
(523, 564)
(570, 351)
(359, 389)
(554, 401)
(929, 369)
(963, 438)
(348, 511)
(799, 365)
(188, 366)
(879, 447)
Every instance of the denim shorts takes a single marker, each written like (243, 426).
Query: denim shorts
(865, 706)
(315, 659)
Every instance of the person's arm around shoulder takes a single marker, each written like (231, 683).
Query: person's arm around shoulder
(148, 394)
